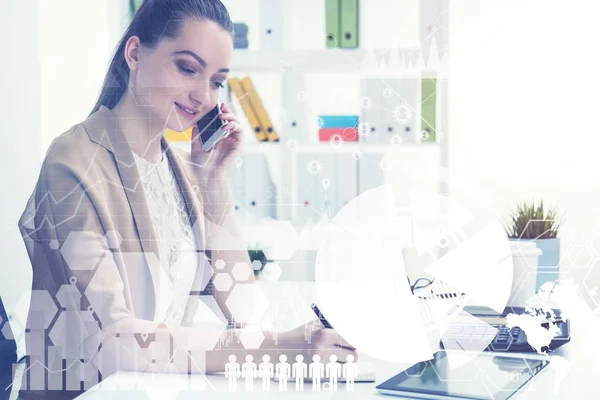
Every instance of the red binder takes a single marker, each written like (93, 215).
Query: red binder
(338, 134)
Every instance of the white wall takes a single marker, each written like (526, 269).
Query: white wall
(524, 106)
(77, 39)
(20, 106)
(53, 70)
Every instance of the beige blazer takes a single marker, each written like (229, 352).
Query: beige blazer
(89, 188)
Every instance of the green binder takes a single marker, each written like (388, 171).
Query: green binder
(332, 23)
(134, 5)
(428, 94)
(349, 23)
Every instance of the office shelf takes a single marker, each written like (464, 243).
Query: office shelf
(334, 59)
(344, 147)
(292, 66)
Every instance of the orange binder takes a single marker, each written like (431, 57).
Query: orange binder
(173, 136)
(236, 86)
(259, 109)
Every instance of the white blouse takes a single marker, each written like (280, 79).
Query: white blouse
(174, 235)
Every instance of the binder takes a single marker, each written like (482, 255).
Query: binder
(270, 16)
(407, 89)
(399, 110)
(240, 43)
(236, 86)
(346, 179)
(134, 5)
(315, 199)
(428, 115)
(338, 127)
(306, 200)
(332, 23)
(338, 121)
(326, 194)
(349, 23)
(259, 110)
(338, 134)
(174, 136)
(237, 183)
(261, 192)
(370, 174)
(240, 29)
(370, 127)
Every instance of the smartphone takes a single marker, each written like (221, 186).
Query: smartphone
(210, 128)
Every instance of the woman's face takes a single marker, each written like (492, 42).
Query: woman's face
(185, 72)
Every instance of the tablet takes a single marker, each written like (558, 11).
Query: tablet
(486, 376)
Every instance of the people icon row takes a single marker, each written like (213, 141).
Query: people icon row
(298, 371)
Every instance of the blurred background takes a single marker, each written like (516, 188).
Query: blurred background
(493, 101)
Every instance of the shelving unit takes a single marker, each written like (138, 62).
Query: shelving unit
(294, 64)
(344, 147)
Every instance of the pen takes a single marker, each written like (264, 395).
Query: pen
(325, 323)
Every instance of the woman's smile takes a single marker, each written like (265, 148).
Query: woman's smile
(185, 111)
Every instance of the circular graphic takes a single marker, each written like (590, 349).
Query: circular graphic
(366, 102)
(291, 144)
(385, 164)
(374, 245)
(403, 113)
(314, 167)
(336, 140)
(364, 129)
(396, 140)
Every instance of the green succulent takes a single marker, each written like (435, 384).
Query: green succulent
(531, 221)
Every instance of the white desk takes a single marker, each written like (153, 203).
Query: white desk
(581, 382)
(578, 384)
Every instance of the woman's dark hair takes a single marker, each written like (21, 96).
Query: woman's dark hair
(153, 21)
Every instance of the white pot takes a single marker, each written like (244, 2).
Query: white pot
(525, 257)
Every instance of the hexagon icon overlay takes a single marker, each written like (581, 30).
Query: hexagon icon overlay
(42, 308)
(241, 271)
(279, 239)
(209, 323)
(272, 271)
(252, 336)
(247, 303)
(82, 250)
(222, 281)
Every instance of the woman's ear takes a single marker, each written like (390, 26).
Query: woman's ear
(132, 48)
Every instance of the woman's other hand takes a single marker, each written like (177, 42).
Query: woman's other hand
(324, 342)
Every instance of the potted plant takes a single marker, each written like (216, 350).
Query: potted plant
(258, 259)
(529, 221)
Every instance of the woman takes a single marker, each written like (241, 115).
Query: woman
(122, 228)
